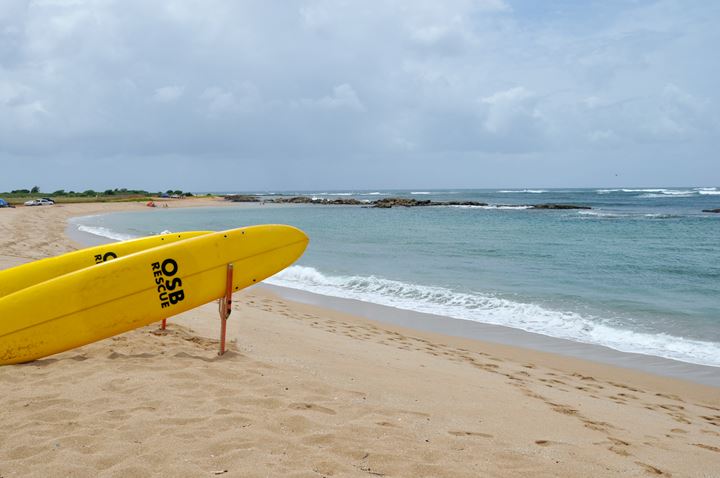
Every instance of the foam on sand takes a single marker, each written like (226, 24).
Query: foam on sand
(490, 309)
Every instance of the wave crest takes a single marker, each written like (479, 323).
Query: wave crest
(490, 309)
(105, 232)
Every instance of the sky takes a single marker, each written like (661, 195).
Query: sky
(221, 95)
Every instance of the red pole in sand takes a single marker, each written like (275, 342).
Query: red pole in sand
(226, 307)
(163, 325)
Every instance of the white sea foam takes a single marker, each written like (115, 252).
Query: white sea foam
(376, 193)
(486, 308)
(419, 192)
(601, 214)
(105, 232)
(709, 192)
(532, 191)
(661, 216)
(333, 194)
(660, 192)
(615, 215)
(492, 206)
(668, 194)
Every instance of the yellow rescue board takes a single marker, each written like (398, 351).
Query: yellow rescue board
(25, 275)
(136, 290)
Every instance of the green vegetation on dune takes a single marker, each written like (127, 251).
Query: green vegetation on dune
(19, 196)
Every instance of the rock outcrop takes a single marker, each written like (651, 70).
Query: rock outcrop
(406, 202)
(716, 211)
(386, 203)
(558, 206)
(241, 198)
(309, 200)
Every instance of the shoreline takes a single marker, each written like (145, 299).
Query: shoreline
(308, 391)
(487, 333)
(502, 335)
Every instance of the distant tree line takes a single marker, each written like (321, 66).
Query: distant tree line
(35, 191)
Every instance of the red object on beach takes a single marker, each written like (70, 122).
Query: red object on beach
(225, 307)
(150, 204)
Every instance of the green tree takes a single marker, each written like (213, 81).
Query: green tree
(35, 190)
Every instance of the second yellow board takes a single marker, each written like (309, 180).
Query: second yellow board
(136, 290)
(25, 275)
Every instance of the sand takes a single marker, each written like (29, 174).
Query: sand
(309, 392)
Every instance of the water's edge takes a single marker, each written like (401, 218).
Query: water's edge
(477, 331)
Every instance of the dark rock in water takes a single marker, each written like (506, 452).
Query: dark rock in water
(387, 203)
(463, 203)
(716, 211)
(346, 202)
(406, 202)
(558, 206)
(309, 200)
(296, 200)
(390, 202)
(241, 198)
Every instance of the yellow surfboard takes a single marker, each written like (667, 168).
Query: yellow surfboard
(25, 275)
(136, 290)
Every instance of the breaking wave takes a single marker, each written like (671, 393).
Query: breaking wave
(491, 309)
(105, 232)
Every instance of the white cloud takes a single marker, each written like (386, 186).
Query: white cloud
(452, 78)
(603, 136)
(343, 97)
(508, 109)
(241, 98)
(168, 94)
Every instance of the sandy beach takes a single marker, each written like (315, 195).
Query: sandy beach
(309, 392)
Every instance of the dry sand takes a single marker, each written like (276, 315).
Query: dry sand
(311, 392)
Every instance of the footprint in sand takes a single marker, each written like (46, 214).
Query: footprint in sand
(469, 434)
(386, 424)
(651, 469)
(708, 447)
(312, 407)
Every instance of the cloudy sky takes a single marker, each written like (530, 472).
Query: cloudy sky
(305, 94)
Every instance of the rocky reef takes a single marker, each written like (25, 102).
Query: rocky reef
(716, 211)
(558, 206)
(241, 198)
(387, 203)
(405, 202)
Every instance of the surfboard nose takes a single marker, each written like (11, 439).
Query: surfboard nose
(292, 240)
(297, 238)
(298, 234)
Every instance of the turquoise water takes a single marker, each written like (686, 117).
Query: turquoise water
(640, 272)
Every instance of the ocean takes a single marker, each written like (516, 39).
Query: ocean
(639, 272)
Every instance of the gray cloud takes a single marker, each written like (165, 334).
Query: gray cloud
(356, 94)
